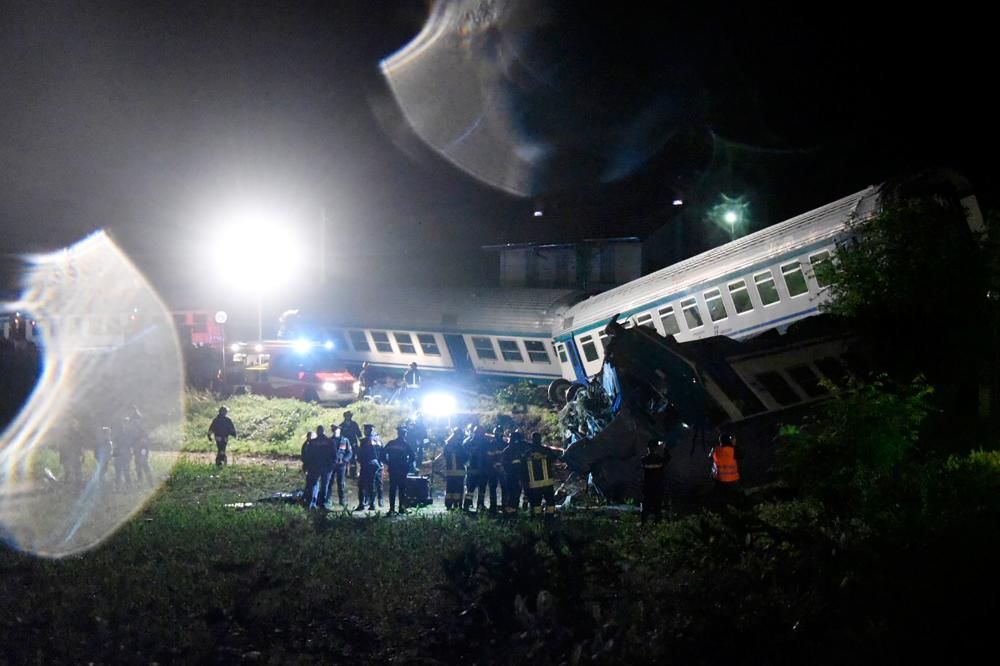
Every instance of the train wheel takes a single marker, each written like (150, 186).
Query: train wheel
(573, 390)
(557, 391)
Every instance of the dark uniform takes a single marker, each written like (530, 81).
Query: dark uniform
(472, 471)
(398, 457)
(344, 456)
(538, 469)
(221, 429)
(416, 435)
(654, 467)
(318, 458)
(514, 471)
(121, 455)
(350, 429)
(139, 443)
(455, 458)
(491, 469)
(369, 464)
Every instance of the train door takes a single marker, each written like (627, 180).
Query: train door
(459, 353)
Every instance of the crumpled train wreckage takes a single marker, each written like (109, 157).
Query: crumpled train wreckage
(651, 387)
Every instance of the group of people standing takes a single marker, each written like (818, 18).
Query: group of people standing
(475, 460)
(125, 448)
(328, 458)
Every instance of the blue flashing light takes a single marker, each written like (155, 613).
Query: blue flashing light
(302, 346)
(328, 344)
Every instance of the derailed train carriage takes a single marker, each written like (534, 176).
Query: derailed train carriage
(725, 338)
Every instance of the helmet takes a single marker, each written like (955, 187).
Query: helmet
(319, 430)
(368, 427)
(348, 414)
(223, 409)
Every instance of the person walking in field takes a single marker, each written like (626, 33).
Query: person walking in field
(221, 429)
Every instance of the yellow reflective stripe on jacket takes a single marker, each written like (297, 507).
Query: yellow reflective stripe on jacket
(539, 476)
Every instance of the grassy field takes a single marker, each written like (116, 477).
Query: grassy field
(206, 572)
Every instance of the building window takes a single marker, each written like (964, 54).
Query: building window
(561, 350)
(405, 343)
(645, 320)
(381, 339)
(822, 267)
(428, 345)
(359, 341)
(510, 351)
(689, 307)
(716, 308)
(589, 348)
(669, 321)
(765, 287)
(741, 296)
(484, 348)
(536, 351)
(795, 281)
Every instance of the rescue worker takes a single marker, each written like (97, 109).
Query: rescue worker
(380, 472)
(538, 468)
(490, 468)
(221, 429)
(416, 435)
(654, 467)
(472, 458)
(343, 457)
(121, 456)
(398, 458)
(349, 428)
(725, 468)
(454, 469)
(319, 456)
(134, 432)
(369, 464)
(411, 378)
(513, 467)
(365, 383)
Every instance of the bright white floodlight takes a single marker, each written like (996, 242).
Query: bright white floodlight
(730, 217)
(439, 404)
(257, 251)
(302, 346)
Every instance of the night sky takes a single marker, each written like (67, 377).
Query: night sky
(142, 117)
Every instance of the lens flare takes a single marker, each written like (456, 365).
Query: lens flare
(101, 429)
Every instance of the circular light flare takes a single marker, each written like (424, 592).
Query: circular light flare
(439, 405)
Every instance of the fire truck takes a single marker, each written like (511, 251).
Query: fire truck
(289, 369)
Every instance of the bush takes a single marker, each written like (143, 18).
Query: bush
(521, 394)
(859, 442)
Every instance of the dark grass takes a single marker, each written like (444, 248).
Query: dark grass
(190, 580)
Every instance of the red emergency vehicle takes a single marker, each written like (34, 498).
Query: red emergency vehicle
(290, 369)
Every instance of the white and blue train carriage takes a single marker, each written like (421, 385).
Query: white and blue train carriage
(497, 333)
(761, 281)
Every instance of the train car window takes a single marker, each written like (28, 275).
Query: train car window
(589, 348)
(381, 339)
(428, 345)
(716, 308)
(628, 324)
(337, 338)
(692, 316)
(765, 287)
(536, 351)
(794, 279)
(741, 296)
(510, 351)
(359, 341)
(669, 320)
(561, 350)
(603, 338)
(833, 370)
(822, 267)
(807, 380)
(405, 343)
(645, 320)
(484, 348)
(778, 388)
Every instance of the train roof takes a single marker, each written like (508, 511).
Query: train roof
(814, 226)
(460, 310)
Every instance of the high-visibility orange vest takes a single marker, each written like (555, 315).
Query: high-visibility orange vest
(724, 467)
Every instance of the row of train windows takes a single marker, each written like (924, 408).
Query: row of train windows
(805, 377)
(767, 291)
(404, 342)
(509, 350)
